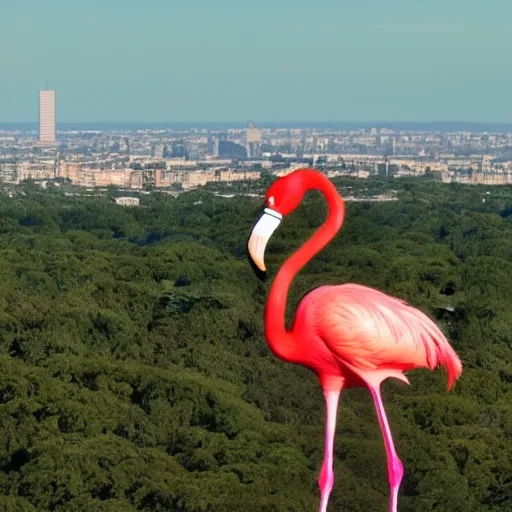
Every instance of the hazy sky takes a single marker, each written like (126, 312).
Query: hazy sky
(274, 60)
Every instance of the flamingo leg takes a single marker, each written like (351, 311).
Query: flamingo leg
(326, 479)
(395, 467)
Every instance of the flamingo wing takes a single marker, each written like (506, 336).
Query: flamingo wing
(371, 330)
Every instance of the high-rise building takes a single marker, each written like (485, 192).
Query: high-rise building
(215, 146)
(253, 141)
(47, 117)
(158, 151)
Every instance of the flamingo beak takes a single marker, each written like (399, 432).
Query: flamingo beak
(261, 234)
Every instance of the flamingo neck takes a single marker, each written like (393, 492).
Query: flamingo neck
(280, 340)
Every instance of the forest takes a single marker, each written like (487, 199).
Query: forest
(135, 375)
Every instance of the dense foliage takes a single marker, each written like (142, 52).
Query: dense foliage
(135, 374)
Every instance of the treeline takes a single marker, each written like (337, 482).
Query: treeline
(135, 374)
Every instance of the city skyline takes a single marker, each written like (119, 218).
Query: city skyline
(223, 62)
(172, 161)
(420, 126)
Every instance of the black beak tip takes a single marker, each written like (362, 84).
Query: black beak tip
(260, 274)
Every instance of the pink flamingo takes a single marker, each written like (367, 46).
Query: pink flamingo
(349, 335)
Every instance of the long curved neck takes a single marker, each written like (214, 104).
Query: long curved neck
(279, 339)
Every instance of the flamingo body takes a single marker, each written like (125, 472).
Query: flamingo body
(350, 331)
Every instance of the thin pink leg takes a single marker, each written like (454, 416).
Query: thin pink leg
(326, 479)
(395, 468)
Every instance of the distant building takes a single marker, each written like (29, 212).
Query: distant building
(47, 117)
(386, 170)
(213, 146)
(158, 151)
(127, 201)
(253, 141)
(179, 150)
(228, 149)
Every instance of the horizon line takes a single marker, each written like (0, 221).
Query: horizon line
(366, 122)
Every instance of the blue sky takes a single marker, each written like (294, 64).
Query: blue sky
(273, 60)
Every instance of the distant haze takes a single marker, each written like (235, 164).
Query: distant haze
(443, 127)
(226, 61)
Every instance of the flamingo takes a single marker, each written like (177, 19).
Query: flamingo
(348, 335)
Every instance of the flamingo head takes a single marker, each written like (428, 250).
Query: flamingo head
(282, 198)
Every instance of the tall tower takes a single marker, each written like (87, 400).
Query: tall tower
(47, 117)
